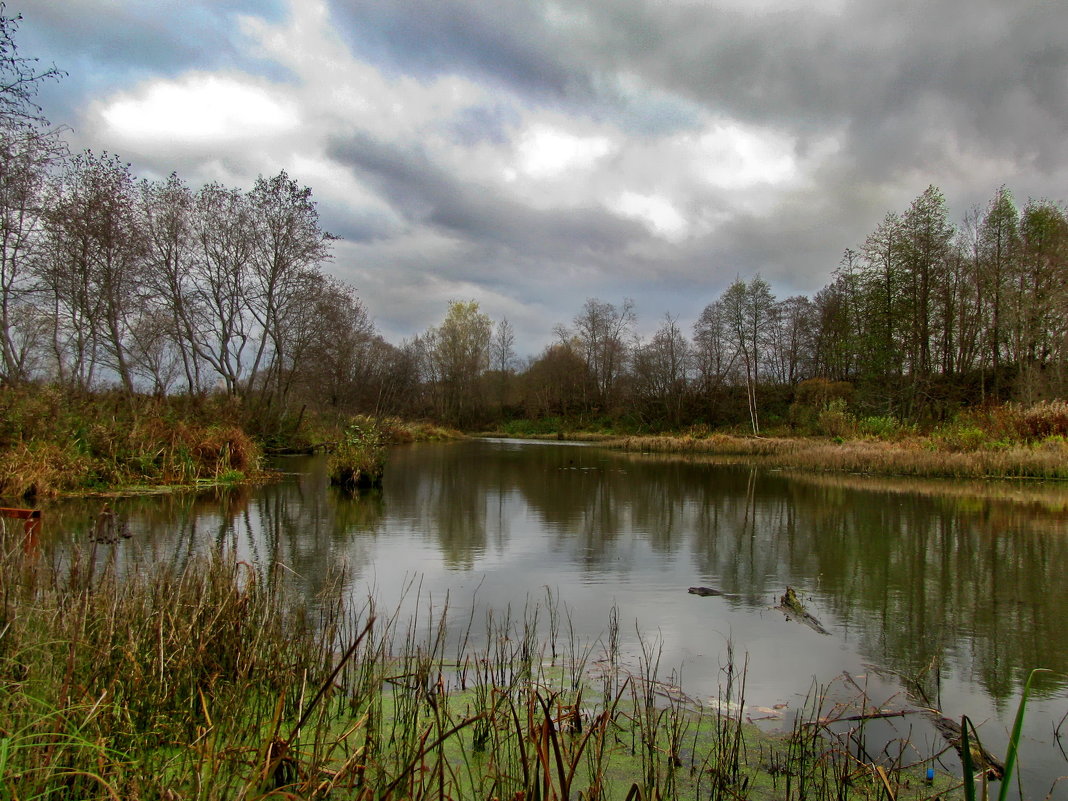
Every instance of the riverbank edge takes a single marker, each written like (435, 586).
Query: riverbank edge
(922, 457)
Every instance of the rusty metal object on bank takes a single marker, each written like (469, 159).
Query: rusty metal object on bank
(31, 525)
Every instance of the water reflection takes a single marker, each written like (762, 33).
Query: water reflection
(966, 578)
(970, 580)
(976, 581)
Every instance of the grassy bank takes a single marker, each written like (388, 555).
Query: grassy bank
(216, 682)
(999, 442)
(921, 457)
(54, 441)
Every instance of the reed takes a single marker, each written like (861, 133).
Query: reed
(358, 461)
(54, 441)
(124, 677)
(921, 457)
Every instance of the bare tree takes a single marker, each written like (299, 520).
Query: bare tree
(603, 331)
(287, 243)
(28, 150)
(713, 356)
(26, 157)
(749, 310)
(166, 211)
(219, 323)
(93, 267)
(328, 338)
(661, 370)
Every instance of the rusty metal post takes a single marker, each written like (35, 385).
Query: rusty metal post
(31, 528)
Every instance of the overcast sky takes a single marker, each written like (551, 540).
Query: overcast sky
(529, 154)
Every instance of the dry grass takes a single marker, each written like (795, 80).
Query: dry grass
(918, 456)
(53, 442)
(41, 469)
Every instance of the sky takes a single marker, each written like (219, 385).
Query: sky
(531, 154)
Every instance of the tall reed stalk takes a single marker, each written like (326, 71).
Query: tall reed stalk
(214, 681)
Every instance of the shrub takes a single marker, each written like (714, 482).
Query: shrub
(1045, 419)
(835, 421)
(359, 460)
(962, 437)
(884, 427)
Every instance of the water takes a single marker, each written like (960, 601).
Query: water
(959, 587)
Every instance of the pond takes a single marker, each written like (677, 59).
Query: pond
(958, 589)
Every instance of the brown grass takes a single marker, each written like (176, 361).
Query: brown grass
(912, 457)
(53, 442)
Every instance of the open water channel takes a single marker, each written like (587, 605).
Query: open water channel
(961, 587)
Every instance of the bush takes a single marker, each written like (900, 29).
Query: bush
(1045, 419)
(884, 427)
(1013, 422)
(962, 437)
(359, 460)
(835, 421)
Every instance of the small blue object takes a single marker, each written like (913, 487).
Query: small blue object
(930, 774)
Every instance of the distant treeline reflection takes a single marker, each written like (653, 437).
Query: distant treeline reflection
(915, 580)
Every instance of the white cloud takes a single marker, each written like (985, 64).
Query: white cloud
(198, 108)
(546, 152)
(656, 211)
(736, 156)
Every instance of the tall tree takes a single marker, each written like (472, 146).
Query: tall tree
(713, 356)
(1041, 298)
(221, 282)
(29, 148)
(602, 331)
(924, 244)
(166, 209)
(95, 265)
(883, 307)
(457, 353)
(999, 241)
(661, 371)
(750, 313)
(287, 241)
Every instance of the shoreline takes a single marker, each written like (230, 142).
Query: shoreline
(918, 457)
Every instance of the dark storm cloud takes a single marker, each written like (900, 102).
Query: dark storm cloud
(503, 42)
(905, 82)
(898, 78)
(424, 193)
(476, 124)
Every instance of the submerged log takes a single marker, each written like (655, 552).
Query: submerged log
(791, 606)
(981, 758)
(707, 591)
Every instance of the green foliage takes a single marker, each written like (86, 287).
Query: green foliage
(835, 420)
(884, 427)
(961, 437)
(359, 460)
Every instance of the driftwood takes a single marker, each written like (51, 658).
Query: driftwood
(791, 606)
(947, 727)
(981, 758)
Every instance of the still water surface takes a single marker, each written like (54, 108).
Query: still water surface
(962, 585)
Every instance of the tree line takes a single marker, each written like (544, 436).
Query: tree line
(920, 320)
(157, 286)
